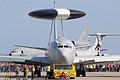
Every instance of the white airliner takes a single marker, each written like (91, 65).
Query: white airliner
(95, 50)
(20, 51)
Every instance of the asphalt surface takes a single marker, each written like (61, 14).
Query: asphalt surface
(90, 76)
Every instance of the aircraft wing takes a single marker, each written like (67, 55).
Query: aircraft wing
(31, 47)
(96, 59)
(84, 46)
(26, 60)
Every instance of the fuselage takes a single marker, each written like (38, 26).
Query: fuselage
(61, 51)
(26, 52)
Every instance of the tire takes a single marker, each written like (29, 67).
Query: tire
(83, 73)
(72, 77)
(77, 73)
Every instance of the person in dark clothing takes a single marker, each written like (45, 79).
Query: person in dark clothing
(24, 72)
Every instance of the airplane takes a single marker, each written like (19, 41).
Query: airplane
(22, 51)
(95, 50)
(61, 50)
(82, 46)
(83, 41)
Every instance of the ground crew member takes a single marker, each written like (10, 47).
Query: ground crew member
(51, 70)
(91, 68)
(87, 67)
(94, 67)
(33, 72)
(25, 72)
(38, 71)
(48, 72)
(17, 71)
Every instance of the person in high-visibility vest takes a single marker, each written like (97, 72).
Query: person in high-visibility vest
(48, 71)
(25, 72)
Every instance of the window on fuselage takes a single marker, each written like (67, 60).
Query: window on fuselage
(66, 46)
(14, 51)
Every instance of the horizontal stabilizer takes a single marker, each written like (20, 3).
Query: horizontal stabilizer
(103, 50)
(104, 34)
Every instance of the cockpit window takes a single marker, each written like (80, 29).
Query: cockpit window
(14, 51)
(64, 46)
(60, 46)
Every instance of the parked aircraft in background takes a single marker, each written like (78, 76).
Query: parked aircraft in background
(95, 50)
(20, 51)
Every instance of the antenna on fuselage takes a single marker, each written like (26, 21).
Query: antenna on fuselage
(53, 25)
(55, 28)
(50, 32)
(62, 28)
(54, 3)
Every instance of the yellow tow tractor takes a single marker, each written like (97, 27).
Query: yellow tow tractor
(63, 71)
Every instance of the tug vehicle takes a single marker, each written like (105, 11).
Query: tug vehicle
(63, 71)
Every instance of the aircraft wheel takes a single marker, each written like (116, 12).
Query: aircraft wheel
(83, 73)
(78, 73)
(72, 77)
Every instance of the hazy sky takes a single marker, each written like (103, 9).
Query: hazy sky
(16, 27)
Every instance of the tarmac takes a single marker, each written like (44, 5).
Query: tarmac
(90, 76)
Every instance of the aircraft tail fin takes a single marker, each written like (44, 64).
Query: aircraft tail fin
(99, 39)
(83, 40)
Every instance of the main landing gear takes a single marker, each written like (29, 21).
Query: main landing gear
(80, 71)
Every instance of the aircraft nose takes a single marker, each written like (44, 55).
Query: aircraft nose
(64, 53)
(67, 56)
